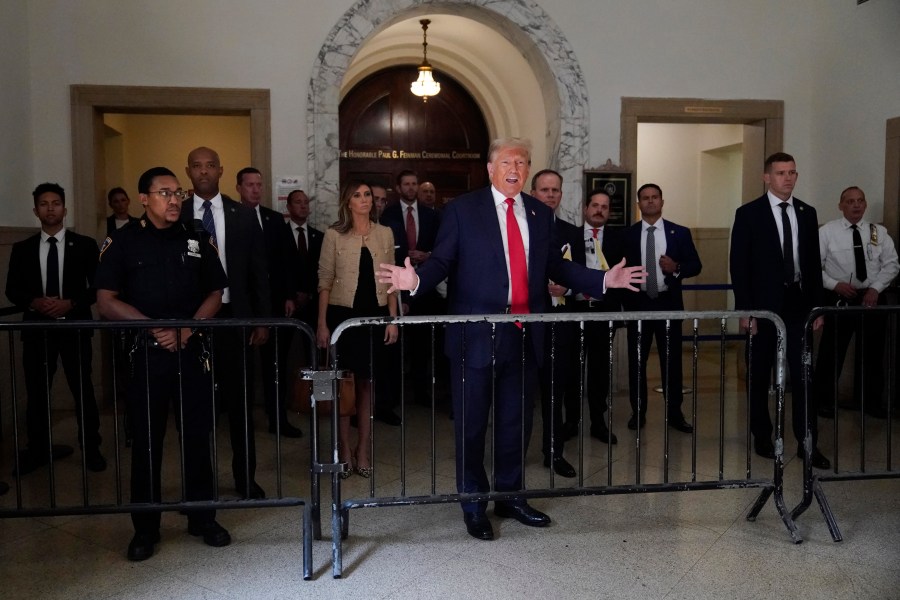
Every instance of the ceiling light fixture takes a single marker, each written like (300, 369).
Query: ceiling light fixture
(425, 86)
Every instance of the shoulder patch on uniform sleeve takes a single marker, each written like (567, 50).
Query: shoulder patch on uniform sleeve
(106, 244)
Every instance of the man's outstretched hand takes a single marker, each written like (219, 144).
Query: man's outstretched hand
(624, 277)
(400, 278)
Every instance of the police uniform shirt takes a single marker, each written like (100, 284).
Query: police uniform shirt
(839, 261)
(163, 273)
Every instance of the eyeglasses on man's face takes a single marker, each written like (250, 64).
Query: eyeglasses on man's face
(168, 194)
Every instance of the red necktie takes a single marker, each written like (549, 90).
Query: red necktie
(518, 269)
(410, 228)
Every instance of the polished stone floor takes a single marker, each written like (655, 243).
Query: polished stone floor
(694, 544)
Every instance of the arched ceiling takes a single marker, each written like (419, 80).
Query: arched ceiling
(481, 59)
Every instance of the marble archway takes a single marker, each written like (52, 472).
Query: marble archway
(536, 36)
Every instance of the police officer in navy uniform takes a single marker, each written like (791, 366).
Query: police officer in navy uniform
(162, 268)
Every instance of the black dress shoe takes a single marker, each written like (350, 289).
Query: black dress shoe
(255, 492)
(141, 546)
(287, 430)
(522, 513)
(633, 422)
(602, 433)
(561, 467)
(764, 448)
(478, 526)
(678, 422)
(388, 417)
(213, 534)
(818, 460)
(30, 461)
(94, 461)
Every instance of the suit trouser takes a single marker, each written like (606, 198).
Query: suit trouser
(868, 375)
(668, 347)
(160, 378)
(232, 354)
(39, 361)
(596, 346)
(794, 315)
(559, 384)
(473, 390)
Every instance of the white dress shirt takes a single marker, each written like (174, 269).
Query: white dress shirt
(774, 203)
(839, 260)
(218, 212)
(44, 250)
(521, 219)
(652, 262)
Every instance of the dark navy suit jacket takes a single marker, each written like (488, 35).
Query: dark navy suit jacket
(469, 250)
(245, 255)
(679, 247)
(757, 261)
(23, 281)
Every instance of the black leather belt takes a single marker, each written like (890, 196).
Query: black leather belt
(589, 303)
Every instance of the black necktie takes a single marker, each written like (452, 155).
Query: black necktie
(650, 251)
(301, 242)
(787, 245)
(861, 273)
(53, 269)
(209, 223)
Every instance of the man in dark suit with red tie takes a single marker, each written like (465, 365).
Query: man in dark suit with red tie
(239, 239)
(776, 265)
(667, 250)
(51, 277)
(496, 246)
(415, 226)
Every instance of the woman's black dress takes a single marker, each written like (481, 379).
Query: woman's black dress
(354, 344)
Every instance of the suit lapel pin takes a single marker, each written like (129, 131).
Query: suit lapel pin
(671, 232)
(800, 208)
(532, 213)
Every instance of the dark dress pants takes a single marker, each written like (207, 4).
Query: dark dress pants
(39, 360)
(794, 315)
(154, 386)
(559, 382)
(596, 348)
(473, 390)
(868, 373)
(668, 347)
(231, 355)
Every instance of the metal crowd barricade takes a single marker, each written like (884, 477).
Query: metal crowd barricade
(769, 486)
(873, 460)
(57, 492)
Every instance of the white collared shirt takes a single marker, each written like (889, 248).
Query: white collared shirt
(218, 211)
(591, 257)
(44, 250)
(775, 202)
(521, 219)
(652, 262)
(839, 259)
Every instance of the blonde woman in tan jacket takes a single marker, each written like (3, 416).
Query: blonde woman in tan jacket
(347, 289)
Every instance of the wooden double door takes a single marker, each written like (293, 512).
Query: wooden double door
(385, 129)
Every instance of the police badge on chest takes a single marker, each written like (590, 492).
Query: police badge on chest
(193, 248)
